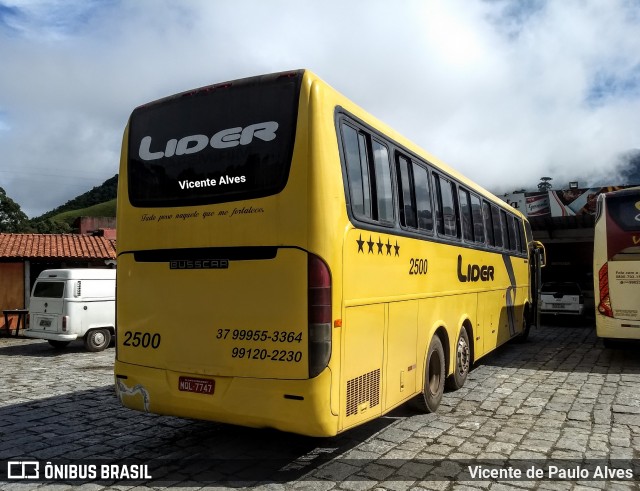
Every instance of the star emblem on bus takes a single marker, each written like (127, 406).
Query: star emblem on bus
(370, 244)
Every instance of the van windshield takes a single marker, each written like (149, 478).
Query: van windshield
(49, 289)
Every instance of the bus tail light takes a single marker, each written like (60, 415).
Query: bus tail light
(319, 314)
(65, 320)
(604, 307)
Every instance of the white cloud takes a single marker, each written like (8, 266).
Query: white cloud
(503, 90)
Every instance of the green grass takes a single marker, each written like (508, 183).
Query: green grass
(106, 209)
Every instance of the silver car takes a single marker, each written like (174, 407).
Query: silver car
(561, 298)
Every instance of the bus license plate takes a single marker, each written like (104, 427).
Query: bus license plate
(45, 322)
(198, 385)
(558, 305)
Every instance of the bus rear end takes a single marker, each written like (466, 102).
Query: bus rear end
(223, 313)
(617, 265)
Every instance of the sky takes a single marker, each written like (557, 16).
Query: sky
(505, 91)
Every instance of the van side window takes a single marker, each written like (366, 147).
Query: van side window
(368, 174)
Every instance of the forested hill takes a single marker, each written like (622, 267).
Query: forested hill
(107, 191)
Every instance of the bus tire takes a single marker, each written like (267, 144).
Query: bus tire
(462, 362)
(58, 344)
(526, 327)
(97, 339)
(434, 376)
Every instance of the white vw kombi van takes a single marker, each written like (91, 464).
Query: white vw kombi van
(68, 304)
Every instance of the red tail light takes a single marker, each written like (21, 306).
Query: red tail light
(604, 307)
(319, 291)
(65, 318)
(319, 314)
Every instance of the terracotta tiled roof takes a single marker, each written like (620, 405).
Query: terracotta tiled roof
(70, 246)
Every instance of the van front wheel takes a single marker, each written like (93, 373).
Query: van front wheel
(97, 339)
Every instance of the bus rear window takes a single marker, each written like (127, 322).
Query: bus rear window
(49, 289)
(625, 211)
(217, 144)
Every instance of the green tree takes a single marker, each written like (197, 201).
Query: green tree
(12, 218)
(49, 226)
(545, 183)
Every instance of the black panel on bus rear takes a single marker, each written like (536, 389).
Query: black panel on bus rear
(222, 143)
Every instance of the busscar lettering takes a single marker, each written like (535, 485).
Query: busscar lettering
(474, 272)
(199, 264)
(227, 138)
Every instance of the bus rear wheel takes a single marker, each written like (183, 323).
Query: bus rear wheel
(434, 377)
(462, 362)
(97, 339)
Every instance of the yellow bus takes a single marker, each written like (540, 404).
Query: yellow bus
(616, 265)
(286, 260)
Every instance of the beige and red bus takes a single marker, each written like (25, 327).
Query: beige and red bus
(616, 265)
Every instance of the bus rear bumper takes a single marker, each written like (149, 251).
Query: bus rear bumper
(617, 329)
(298, 406)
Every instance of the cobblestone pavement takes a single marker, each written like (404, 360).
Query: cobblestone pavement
(560, 405)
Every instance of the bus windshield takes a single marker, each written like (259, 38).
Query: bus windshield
(625, 211)
(216, 144)
(623, 223)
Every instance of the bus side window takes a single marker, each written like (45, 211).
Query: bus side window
(497, 227)
(384, 193)
(521, 234)
(415, 196)
(369, 175)
(488, 223)
(423, 198)
(465, 212)
(513, 221)
(506, 235)
(407, 199)
(478, 223)
(357, 172)
(446, 216)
